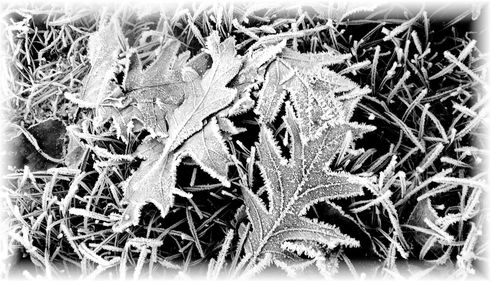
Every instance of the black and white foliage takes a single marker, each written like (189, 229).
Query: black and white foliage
(237, 138)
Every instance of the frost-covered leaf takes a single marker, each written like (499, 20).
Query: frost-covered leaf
(104, 47)
(177, 100)
(189, 134)
(205, 95)
(205, 147)
(254, 63)
(295, 185)
(317, 93)
(150, 95)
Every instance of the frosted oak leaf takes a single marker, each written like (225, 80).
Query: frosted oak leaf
(294, 185)
(104, 48)
(150, 95)
(192, 131)
(317, 119)
(317, 93)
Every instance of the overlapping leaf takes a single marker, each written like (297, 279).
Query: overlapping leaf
(323, 102)
(203, 97)
(295, 185)
(150, 95)
(179, 100)
(205, 147)
(104, 48)
(317, 93)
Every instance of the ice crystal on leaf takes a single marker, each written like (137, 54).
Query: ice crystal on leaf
(317, 120)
